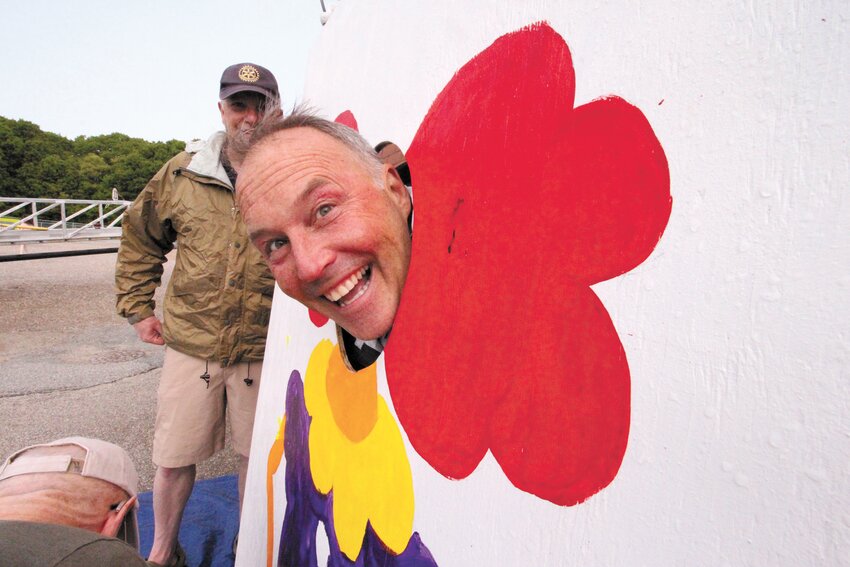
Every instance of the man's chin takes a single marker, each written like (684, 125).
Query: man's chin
(240, 137)
(364, 328)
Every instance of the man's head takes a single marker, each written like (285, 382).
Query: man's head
(79, 482)
(330, 218)
(246, 91)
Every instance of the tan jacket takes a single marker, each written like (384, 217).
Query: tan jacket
(218, 300)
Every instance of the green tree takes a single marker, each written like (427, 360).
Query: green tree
(92, 169)
(34, 163)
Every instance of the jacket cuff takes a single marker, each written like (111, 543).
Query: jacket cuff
(133, 319)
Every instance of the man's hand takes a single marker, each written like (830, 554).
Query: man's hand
(150, 330)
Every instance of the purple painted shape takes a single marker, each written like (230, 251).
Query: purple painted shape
(306, 506)
(300, 521)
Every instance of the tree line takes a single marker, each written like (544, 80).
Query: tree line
(34, 163)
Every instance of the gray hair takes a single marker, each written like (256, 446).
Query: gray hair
(302, 116)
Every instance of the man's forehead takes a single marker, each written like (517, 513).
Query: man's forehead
(293, 148)
(307, 137)
(301, 150)
(295, 160)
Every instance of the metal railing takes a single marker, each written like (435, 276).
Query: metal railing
(51, 220)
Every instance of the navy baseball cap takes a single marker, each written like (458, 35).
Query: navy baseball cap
(247, 77)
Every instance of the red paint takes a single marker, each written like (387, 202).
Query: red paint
(317, 318)
(347, 118)
(522, 202)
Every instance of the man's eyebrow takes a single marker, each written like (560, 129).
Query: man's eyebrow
(302, 198)
(258, 233)
(308, 191)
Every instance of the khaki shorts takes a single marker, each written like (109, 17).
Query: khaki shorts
(190, 416)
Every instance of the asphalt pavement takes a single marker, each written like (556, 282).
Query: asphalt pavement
(70, 366)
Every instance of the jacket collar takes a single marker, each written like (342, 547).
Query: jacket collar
(206, 158)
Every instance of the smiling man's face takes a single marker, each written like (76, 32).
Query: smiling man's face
(241, 112)
(333, 230)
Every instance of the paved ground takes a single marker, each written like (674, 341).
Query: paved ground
(70, 366)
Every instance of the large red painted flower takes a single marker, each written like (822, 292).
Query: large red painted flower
(522, 202)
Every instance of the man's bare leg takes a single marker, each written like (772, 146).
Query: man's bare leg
(171, 490)
(243, 475)
(241, 479)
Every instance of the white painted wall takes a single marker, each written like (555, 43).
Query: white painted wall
(735, 328)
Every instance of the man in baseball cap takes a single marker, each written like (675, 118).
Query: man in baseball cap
(245, 92)
(216, 310)
(69, 502)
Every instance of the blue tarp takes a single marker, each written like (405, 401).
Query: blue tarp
(209, 525)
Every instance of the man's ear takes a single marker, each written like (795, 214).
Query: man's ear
(114, 518)
(397, 189)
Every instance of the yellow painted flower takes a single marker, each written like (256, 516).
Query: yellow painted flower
(356, 450)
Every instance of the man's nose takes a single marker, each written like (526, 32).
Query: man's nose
(312, 257)
(252, 115)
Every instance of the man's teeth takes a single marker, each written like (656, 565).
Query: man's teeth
(346, 286)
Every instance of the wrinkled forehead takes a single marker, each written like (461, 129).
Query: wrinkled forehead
(287, 159)
(305, 140)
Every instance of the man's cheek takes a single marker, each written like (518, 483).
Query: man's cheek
(282, 282)
(290, 287)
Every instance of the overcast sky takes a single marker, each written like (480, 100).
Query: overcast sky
(149, 69)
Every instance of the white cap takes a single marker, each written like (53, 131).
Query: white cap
(103, 460)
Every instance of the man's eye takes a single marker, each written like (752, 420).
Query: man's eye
(324, 210)
(276, 244)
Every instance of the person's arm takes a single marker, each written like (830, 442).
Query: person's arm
(146, 238)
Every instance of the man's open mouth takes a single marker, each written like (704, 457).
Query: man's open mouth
(352, 288)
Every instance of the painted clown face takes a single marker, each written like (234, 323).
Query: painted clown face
(332, 229)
